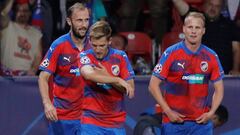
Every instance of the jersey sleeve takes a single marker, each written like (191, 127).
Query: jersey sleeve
(217, 71)
(84, 60)
(162, 68)
(49, 62)
(126, 70)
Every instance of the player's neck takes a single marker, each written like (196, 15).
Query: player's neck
(78, 41)
(192, 47)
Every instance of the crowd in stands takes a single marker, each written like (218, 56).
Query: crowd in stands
(28, 27)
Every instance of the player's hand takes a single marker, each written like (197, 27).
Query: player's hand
(100, 69)
(128, 88)
(175, 116)
(204, 118)
(50, 112)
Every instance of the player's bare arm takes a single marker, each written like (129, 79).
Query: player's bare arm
(157, 94)
(4, 16)
(49, 109)
(119, 86)
(89, 73)
(217, 99)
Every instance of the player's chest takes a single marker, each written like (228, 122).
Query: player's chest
(113, 66)
(68, 63)
(191, 64)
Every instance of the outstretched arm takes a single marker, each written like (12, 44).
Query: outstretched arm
(182, 6)
(4, 18)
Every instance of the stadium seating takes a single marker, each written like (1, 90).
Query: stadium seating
(171, 38)
(139, 44)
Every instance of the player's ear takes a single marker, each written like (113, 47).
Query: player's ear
(110, 41)
(68, 21)
(183, 28)
(204, 29)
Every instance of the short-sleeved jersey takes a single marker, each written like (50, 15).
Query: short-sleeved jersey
(185, 77)
(62, 60)
(104, 105)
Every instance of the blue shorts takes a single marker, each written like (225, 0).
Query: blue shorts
(187, 128)
(89, 129)
(64, 127)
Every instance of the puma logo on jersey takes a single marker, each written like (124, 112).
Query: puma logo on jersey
(67, 58)
(51, 49)
(181, 65)
(165, 54)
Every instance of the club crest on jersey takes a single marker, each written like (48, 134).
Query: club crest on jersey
(158, 68)
(45, 63)
(85, 60)
(115, 70)
(204, 66)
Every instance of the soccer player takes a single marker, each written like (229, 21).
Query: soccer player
(184, 71)
(61, 61)
(103, 106)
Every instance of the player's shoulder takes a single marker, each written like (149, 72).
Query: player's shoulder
(209, 50)
(60, 41)
(86, 52)
(175, 47)
(117, 52)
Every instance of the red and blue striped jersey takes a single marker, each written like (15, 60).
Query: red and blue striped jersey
(62, 60)
(185, 75)
(104, 105)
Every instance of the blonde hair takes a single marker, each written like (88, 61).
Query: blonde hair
(195, 15)
(100, 29)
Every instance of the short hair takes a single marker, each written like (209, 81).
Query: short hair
(75, 6)
(222, 113)
(100, 29)
(195, 15)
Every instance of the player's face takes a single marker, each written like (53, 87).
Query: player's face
(100, 47)
(212, 8)
(22, 13)
(79, 22)
(193, 29)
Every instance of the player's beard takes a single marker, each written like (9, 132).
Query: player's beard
(78, 34)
